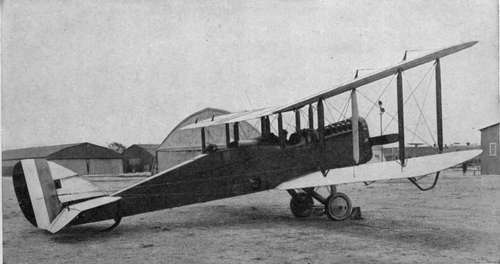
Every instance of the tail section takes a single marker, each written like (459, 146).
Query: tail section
(36, 192)
(51, 196)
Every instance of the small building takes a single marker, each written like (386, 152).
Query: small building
(82, 158)
(181, 145)
(140, 157)
(490, 141)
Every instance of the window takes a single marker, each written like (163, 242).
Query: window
(493, 149)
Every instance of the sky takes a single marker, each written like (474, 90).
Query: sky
(129, 71)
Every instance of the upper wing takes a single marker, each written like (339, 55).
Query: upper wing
(415, 167)
(232, 118)
(336, 90)
(375, 76)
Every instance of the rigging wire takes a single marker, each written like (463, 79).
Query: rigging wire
(243, 131)
(344, 108)
(423, 105)
(380, 96)
(335, 108)
(209, 136)
(287, 123)
(304, 116)
(330, 114)
(272, 121)
(421, 114)
(393, 116)
(328, 105)
(411, 93)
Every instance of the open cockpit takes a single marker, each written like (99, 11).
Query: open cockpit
(298, 138)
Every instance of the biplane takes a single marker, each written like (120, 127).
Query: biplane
(52, 197)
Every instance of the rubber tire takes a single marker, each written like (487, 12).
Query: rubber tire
(301, 205)
(329, 206)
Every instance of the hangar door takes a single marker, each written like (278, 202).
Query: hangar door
(105, 166)
(92, 166)
(77, 165)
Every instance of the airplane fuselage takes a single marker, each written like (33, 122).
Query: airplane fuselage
(238, 170)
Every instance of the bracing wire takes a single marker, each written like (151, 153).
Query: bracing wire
(409, 96)
(330, 114)
(344, 108)
(334, 108)
(380, 96)
(209, 137)
(244, 132)
(271, 122)
(421, 114)
(304, 116)
(393, 117)
(287, 123)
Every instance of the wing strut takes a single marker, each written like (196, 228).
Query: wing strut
(203, 144)
(355, 130)
(401, 125)
(236, 132)
(228, 135)
(297, 120)
(280, 130)
(265, 126)
(439, 108)
(321, 122)
(311, 117)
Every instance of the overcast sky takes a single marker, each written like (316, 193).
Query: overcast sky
(129, 71)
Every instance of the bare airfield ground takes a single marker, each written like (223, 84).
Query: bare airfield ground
(457, 222)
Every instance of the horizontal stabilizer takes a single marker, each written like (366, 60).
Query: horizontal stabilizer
(72, 211)
(415, 167)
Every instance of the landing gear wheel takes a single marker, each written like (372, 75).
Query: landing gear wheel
(301, 205)
(338, 206)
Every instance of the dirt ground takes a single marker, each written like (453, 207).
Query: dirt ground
(457, 222)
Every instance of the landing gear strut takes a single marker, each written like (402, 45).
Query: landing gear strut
(338, 206)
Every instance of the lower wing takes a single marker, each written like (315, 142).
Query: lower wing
(415, 167)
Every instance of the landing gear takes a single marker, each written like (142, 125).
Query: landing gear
(338, 206)
(301, 205)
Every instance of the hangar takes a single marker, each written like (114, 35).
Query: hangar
(83, 158)
(181, 145)
(140, 157)
(490, 142)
